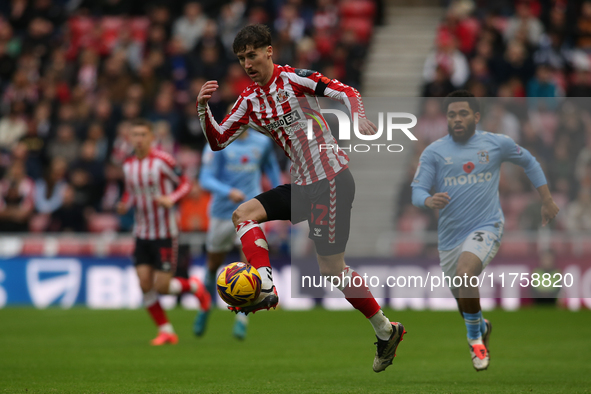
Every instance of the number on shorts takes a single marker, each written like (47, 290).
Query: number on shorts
(478, 236)
(324, 210)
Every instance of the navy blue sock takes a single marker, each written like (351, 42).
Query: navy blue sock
(472, 321)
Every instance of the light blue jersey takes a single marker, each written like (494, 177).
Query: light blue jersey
(238, 166)
(469, 173)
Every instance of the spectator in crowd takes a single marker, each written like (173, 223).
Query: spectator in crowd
(515, 63)
(450, 59)
(524, 25)
(440, 86)
(191, 25)
(583, 27)
(541, 89)
(69, 217)
(13, 126)
(193, 209)
(49, 190)
(432, 124)
(498, 120)
(16, 199)
(65, 144)
(578, 213)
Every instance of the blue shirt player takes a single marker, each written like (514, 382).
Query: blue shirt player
(232, 175)
(463, 168)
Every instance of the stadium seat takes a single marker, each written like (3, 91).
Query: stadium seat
(101, 222)
(358, 9)
(362, 27)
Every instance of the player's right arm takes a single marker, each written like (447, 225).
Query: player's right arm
(424, 180)
(221, 135)
(211, 167)
(128, 199)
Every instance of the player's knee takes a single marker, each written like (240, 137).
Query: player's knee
(145, 285)
(330, 271)
(162, 287)
(239, 215)
(468, 268)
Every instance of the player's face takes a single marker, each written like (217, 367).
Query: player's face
(141, 139)
(461, 121)
(257, 63)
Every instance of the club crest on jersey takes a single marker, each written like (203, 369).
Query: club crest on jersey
(282, 96)
(483, 157)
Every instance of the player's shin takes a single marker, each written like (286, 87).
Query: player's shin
(358, 294)
(156, 312)
(210, 283)
(256, 250)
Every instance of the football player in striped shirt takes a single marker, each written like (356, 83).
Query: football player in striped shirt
(153, 185)
(322, 188)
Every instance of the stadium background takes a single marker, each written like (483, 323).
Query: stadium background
(73, 73)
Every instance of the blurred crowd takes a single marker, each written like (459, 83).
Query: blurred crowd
(74, 73)
(533, 59)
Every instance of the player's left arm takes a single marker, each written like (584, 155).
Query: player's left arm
(270, 166)
(172, 171)
(316, 84)
(522, 157)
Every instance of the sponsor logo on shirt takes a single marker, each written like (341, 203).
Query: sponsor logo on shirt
(284, 120)
(467, 179)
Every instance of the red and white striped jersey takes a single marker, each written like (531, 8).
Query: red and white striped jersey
(280, 109)
(146, 179)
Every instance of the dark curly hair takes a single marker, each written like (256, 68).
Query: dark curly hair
(460, 96)
(256, 36)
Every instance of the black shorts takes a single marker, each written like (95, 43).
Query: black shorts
(325, 204)
(161, 254)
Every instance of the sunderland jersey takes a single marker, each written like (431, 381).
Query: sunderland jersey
(281, 110)
(469, 173)
(146, 179)
(239, 166)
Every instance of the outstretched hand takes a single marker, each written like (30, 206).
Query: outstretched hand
(206, 91)
(367, 127)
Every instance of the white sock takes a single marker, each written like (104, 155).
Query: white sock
(150, 298)
(266, 277)
(477, 341)
(167, 328)
(175, 287)
(381, 325)
(241, 317)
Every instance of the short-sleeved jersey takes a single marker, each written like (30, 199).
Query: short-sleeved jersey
(239, 166)
(146, 179)
(280, 109)
(469, 173)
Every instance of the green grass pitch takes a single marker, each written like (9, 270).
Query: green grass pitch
(87, 351)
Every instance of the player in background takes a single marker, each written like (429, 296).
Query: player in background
(463, 168)
(321, 180)
(153, 184)
(232, 176)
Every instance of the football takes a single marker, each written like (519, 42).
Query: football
(239, 284)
